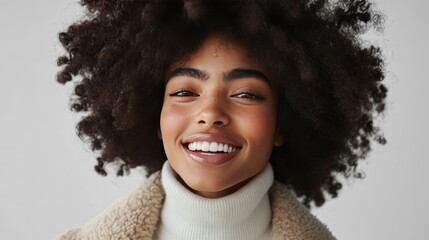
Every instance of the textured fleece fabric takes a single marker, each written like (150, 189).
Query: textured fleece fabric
(136, 215)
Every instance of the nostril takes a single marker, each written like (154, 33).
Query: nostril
(215, 123)
(219, 123)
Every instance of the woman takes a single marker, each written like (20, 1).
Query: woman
(257, 106)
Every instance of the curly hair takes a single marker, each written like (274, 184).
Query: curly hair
(329, 82)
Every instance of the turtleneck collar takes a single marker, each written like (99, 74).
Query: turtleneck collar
(244, 214)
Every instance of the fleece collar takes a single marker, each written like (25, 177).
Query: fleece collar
(136, 215)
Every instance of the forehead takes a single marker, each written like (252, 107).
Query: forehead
(220, 54)
(219, 49)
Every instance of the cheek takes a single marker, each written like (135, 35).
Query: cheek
(172, 119)
(167, 119)
(262, 121)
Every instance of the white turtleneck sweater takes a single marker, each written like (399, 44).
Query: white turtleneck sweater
(242, 215)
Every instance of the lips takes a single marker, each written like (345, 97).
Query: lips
(211, 149)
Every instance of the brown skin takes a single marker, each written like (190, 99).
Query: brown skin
(329, 86)
(222, 108)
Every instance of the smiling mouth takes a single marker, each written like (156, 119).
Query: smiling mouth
(210, 153)
(211, 147)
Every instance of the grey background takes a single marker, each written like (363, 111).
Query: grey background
(47, 182)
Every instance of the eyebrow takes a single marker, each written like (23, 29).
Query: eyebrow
(236, 73)
(189, 72)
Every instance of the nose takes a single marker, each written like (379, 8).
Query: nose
(212, 114)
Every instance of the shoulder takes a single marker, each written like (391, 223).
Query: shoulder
(132, 217)
(292, 220)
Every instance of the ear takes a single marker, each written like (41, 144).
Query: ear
(159, 134)
(278, 140)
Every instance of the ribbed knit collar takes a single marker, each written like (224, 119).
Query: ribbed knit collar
(244, 214)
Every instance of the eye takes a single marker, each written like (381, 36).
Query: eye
(248, 95)
(183, 93)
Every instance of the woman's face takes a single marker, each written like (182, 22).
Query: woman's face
(218, 120)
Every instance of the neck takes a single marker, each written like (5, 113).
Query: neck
(219, 194)
(243, 214)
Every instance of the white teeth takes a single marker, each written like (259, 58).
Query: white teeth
(211, 147)
(205, 146)
(220, 147)
(225, 148)
(191, 146)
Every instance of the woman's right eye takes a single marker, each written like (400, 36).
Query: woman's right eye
(183, 93)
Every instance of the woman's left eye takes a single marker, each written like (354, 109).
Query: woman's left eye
(248, 95)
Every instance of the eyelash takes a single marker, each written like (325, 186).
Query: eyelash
(178, 93)
(253, 96)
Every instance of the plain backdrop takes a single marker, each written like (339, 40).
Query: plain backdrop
(47, 182)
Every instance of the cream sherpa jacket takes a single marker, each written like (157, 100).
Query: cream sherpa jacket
(136, 215)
